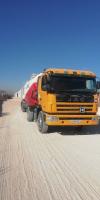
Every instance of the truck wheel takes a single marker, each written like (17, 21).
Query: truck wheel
(30, 115)
(35, 116)
(42, 126)
(23, 108)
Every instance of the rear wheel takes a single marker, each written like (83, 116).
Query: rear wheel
(30, 115)
(42, 126)
(23, 107)
(35, 117)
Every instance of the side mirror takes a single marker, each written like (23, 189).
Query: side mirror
(48, 78)
(46, 87)
(98, 85)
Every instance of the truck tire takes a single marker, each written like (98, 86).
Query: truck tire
(23, 107)
(35, 116)
(30, 115)
(42, 126)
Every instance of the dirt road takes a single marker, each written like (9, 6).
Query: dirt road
(61, 165)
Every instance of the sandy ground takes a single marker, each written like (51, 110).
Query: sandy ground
(61, 165)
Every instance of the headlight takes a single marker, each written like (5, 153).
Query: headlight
(51, 118)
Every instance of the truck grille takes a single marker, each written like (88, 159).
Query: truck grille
(74, 109)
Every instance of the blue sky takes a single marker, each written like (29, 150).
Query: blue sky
(38, 34)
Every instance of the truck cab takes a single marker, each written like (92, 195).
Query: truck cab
(66, 97)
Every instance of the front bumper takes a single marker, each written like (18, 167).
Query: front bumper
(72, 120)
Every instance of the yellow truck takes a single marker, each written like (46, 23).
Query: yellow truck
(66, 97)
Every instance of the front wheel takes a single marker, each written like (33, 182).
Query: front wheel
(42, 126)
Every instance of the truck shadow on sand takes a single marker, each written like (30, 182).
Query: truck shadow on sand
(87, 130)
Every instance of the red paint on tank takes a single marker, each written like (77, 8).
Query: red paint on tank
(31, 95)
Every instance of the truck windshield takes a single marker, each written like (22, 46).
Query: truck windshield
(65, 83)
